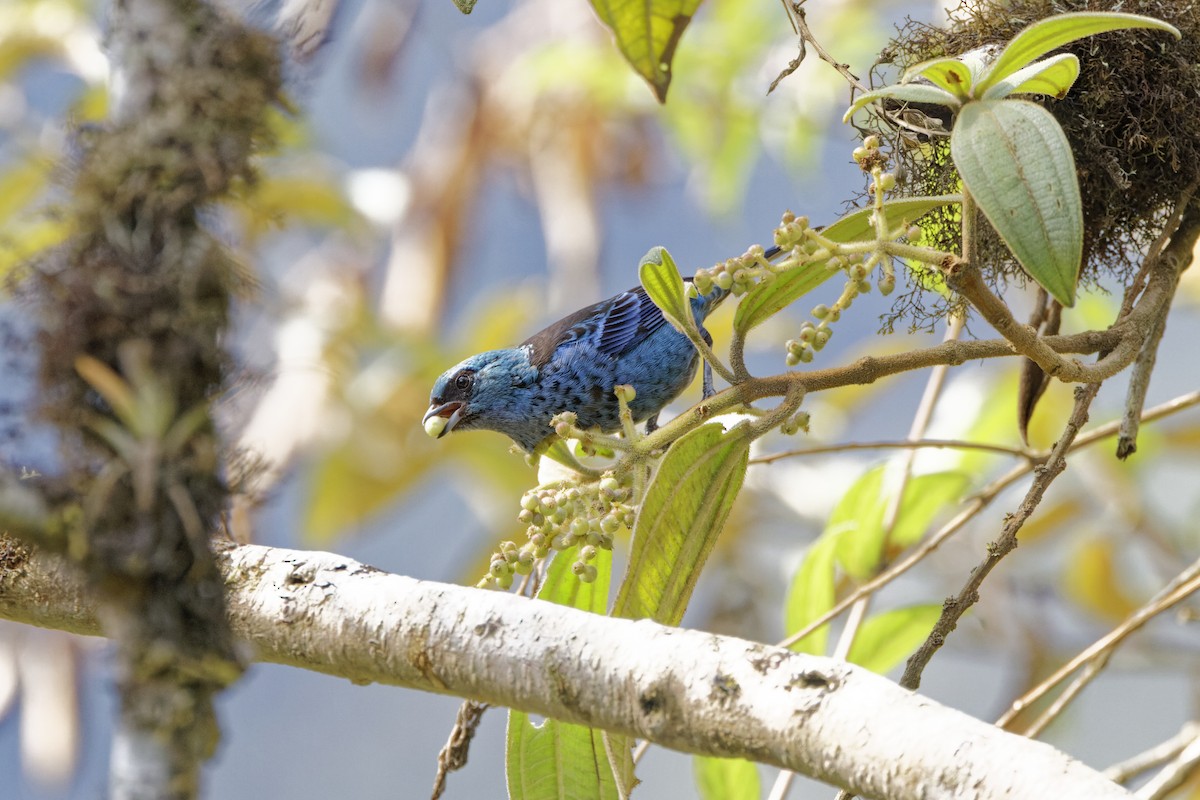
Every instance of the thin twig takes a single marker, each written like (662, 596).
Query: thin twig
(782, 785)
(800, 24)
(1173, 775)
(1139, 380)
(1180, 588)
(977, 504)
(955, 607)
(900, 444)
(453, 755)
(1156, 755)
(1089, 672)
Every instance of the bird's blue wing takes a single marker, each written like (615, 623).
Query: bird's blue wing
(631, 318)
(612, 327)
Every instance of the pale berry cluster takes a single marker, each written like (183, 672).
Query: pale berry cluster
(735, 275)
(561, 517)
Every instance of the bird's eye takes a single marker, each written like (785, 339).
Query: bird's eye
(463, 381)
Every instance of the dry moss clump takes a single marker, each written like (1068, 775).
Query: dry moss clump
(1128, 119)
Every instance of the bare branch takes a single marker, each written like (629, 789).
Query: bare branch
(955, 607)
(829, 720)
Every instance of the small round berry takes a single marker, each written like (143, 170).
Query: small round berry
(587, 552)
(588, 574)
(725, 281)
(871, 142)
(887, 181)
(435, 426)
(821, 311)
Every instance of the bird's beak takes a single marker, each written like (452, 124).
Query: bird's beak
(440, 420)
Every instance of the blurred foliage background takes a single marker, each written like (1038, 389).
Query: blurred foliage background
(444, 185)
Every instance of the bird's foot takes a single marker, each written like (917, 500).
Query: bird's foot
(652, 425)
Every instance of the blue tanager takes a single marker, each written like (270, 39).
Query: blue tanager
(573, 365)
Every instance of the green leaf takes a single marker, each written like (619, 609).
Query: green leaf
(1015, 160)
(857, 522)
(857, 525)
(1053, 76)
(811, 595)
(662, 282)
(777, 293)
(559, 760)
(856, 226)
(726, 778)
(925, 497)
(685, 508)
(949, 73)
(1042, 37)
(561, 585)
(886, 639)
(905, 93)
(465, 6)
(646, 33)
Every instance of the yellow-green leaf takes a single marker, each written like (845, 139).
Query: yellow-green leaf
(1046, 35)
(811, 594)
(856, 524)
(559, 760)
(886, 639)
(664, 285)
(1053, 77)
(904, 93)
(925, 497)
(685, 508)
(726, 778)
(1015, 160)
(949, 73)
(646, 33)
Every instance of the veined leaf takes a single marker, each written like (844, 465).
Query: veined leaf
(856, 524)
(685, 508)
(559, 760)
(1053, 77)
(811, 595)
(1015, 160)
(775, 294)
(884, 640)
(646, 33)
(905, 93)
(949, 73)
(1046, 35)
(662, 282)
(924, 498)
(726, 778)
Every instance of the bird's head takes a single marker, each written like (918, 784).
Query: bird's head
(477, 392)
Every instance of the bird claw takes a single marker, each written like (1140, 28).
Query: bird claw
(652, 425)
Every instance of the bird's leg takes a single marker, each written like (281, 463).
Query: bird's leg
(707, 389)
(652, 425)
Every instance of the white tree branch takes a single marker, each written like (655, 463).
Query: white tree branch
(687, 690)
